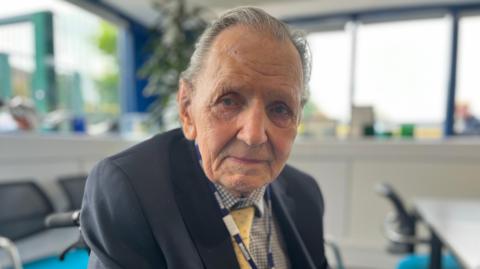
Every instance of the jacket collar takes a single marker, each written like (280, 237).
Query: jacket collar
(199, 209)
(284, 208)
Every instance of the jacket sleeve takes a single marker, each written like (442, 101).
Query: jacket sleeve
(113, 224)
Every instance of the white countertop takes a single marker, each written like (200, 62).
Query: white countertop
(457, 224)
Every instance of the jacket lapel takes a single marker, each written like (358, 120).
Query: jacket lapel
(284, 210)
(199, 209)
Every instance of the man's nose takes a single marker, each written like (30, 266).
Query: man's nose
(253, 130)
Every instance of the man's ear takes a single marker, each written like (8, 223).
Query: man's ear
(184, 101)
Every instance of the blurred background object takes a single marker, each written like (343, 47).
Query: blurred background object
(7, 122)
(24, 113)
(466, 123)
(363, 120)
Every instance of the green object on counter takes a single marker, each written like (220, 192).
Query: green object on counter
(368, 130)
(407, 130)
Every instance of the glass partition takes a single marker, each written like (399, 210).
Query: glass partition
(467, 112)
(60, 63)
(328, 110)
(402, 73)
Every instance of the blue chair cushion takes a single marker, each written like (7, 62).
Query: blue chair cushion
(422, 262)
(77, 259)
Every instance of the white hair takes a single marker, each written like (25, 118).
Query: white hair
(260, 21)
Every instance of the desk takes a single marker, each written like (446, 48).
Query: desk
(454, 224)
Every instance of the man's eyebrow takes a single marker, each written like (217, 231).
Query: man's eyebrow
(229, 86)
(224, 88)
(284, 93)
(281, 95)
(221, 89)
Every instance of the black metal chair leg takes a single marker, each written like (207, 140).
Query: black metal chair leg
(435, 252)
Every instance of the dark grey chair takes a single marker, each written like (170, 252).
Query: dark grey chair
(73, 186)
(23, 208)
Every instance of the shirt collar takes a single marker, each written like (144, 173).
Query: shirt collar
(254, 199)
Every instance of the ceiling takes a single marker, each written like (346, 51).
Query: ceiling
(141, 9)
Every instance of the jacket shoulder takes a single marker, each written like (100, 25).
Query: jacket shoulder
(291, 173)
(301, 185)
(157, 144)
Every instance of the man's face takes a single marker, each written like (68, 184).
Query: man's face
(244, 108)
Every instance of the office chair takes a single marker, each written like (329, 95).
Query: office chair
(400, 231)
(73, 187)
(12, 252)
(335, 250)
(23, 209)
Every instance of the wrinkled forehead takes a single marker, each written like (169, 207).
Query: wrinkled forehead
(245, 52)
(246, 42)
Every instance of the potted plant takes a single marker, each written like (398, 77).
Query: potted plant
(172, 43)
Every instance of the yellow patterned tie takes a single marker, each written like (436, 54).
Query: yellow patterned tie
(243, 218)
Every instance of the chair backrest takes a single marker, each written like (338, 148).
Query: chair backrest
(23, 208)
(74, 187)
(405, 220)
(393, 197)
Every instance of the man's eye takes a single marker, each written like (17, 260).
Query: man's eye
(228, 101)
(281, 115)
(280, 110)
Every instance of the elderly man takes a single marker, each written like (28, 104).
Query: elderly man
(216, 194)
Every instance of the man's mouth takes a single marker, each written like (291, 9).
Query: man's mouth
(246, 160)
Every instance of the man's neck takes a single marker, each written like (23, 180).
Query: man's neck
(254, 198)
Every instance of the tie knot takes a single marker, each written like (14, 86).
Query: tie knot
(243, 216)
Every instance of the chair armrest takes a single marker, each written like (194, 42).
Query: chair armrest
(330, 243)
(12, 252)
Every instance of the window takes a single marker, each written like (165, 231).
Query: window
(17, 58)
(329, 105)
(468, 80)
(64, 59)
(87, 65)
(402, 72)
